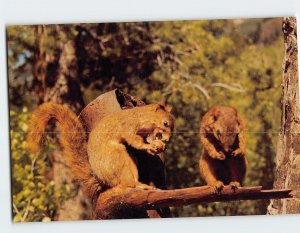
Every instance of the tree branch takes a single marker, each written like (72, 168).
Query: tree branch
(115, 201)
(235, 88)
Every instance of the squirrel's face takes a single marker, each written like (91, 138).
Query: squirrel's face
(163, 135)
(160, 114)
(225, 126)
(165, 120)
(159, 135)
(162, 122)
(226, 136)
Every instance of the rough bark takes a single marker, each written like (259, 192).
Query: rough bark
(66, 90)
(287, 174)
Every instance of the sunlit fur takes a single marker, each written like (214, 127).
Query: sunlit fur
(223, 159)
(72, 138)
(108, 142)
(103, 161)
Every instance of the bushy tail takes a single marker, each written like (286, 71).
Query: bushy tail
(72, 138)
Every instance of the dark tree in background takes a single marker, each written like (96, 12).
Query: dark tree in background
(191, 65)
(82, 56)
(288, 148)
(64, 59)
(56, 80)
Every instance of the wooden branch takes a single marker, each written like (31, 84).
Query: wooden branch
(114, 200)
(136, 203)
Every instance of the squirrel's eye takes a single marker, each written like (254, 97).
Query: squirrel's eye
(218, 132)
(166, 124)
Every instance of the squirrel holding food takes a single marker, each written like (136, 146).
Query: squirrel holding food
(103, 160)
(223, 159)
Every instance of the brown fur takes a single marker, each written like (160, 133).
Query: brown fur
(103, 160)
(72, 138)
(159, 136)
(108, 142)
(223, 160)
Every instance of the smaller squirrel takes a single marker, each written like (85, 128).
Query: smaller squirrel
(223, 160)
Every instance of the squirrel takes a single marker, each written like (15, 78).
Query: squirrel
(102, 161)
(109, 139)
(223, 159)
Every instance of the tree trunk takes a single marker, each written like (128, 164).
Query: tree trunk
(288, 149)
(56, 77)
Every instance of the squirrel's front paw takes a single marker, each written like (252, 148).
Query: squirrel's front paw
(144, 186)
(234, 185)
(218, 185)
(237, 152)
(218, 155)
(156, 147)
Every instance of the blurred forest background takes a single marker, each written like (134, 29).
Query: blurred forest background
(191, 65)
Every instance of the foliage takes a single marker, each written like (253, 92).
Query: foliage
(35, 198)
(192, 65)
(250, 74)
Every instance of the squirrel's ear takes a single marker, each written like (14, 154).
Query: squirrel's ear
(235, 110)
(163, 106)
(160, 105)
(168, 108)
(242, 121)
(215, 113)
